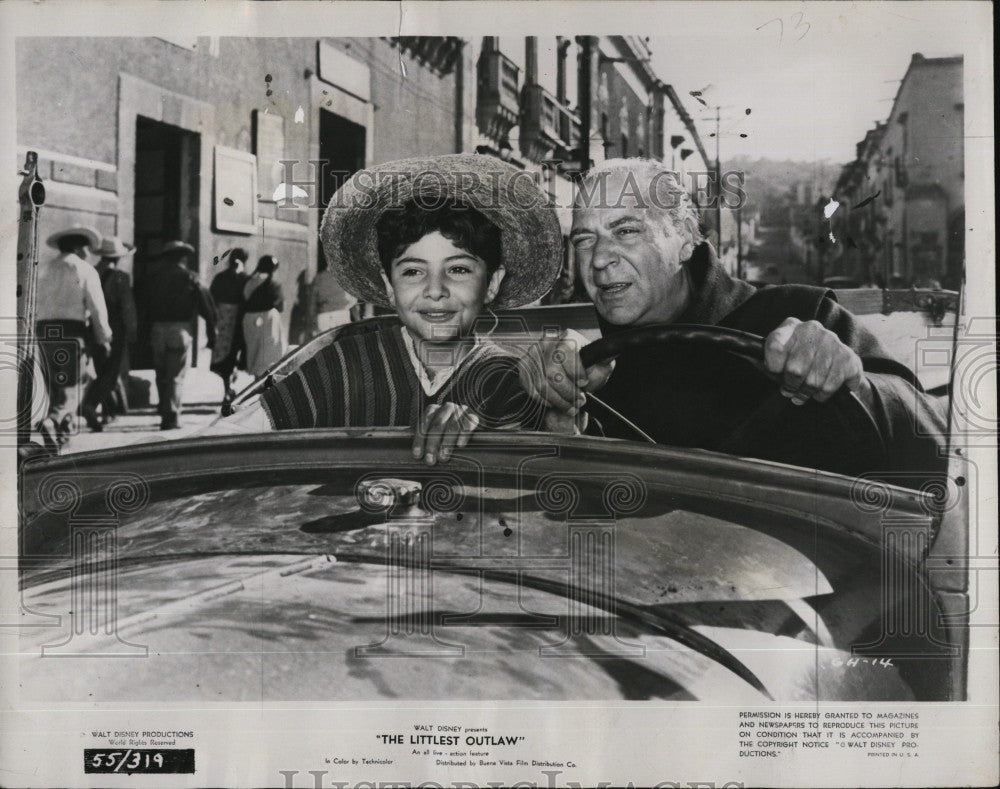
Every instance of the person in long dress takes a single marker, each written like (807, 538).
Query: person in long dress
(263, 330)
(227, 292)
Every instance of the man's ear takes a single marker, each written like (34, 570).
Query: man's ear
(690, 234)
(494, 285)
(388, 289)
(687, 250)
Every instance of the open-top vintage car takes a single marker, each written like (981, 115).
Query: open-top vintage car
(330, 564)
(294, 565)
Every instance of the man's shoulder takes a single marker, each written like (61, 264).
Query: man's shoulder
(119, 277)
(793, 291)
(767, 307)
(85, 270)
(182, 276)
(61, 260)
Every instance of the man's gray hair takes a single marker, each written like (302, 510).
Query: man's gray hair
(653, 184)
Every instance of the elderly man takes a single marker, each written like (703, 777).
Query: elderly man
(69, 297)
(175, 299)
(643, 262)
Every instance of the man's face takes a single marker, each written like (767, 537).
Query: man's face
(629, 257)
(438, 289)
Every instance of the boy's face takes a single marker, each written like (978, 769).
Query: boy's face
(438, 289)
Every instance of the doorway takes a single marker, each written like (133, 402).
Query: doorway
(342, 149)
(342, 153)
(167, 164)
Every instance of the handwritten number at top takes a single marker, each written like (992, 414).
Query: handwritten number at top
(800, 23)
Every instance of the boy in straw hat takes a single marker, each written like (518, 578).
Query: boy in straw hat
(440, 240)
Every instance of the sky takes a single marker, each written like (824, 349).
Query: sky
(814, 77)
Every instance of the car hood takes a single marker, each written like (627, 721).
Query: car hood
(267, 556)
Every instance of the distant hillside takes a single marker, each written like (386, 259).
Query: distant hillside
(774, 186)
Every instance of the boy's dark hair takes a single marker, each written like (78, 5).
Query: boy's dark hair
(463, 225)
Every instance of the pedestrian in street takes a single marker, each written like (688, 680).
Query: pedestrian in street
(331, 304)
(263, 330)
(175, 298)
(70, 310)
(227, 293)
(117, 288)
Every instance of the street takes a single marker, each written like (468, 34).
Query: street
(138, 427)
(202, 400)
(771, 261)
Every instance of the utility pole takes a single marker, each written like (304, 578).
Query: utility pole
(585, 98)
(739, 242)
(718, 179)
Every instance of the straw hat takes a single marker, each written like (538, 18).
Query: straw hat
(530, 236)
(112, 247)
(92, 236)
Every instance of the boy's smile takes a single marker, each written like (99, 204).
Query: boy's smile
(439, 289)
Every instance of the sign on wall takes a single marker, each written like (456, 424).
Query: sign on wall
(269, 146)
(235, 194)
(345, 72)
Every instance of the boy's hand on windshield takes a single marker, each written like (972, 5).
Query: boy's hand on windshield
(442, 428)
(811, 361)
(551, 372)
(559, 422)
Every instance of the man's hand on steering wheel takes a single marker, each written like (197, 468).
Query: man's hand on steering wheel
(551, 373)
(811, 362)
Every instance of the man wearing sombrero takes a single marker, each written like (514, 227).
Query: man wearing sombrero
(117, 288)
(68, 299)
(440, 240)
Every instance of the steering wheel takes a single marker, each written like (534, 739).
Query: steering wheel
(852, 441)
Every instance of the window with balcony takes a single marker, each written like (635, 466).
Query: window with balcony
(439, 54)
(497, 91)
(549, 128)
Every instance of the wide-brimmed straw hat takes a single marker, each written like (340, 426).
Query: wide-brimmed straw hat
(530, 235)
(112, 247)
(86, 231)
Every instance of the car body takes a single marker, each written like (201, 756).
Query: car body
(329, 565)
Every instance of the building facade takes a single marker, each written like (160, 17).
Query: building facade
(211, 140)
(904, 193)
